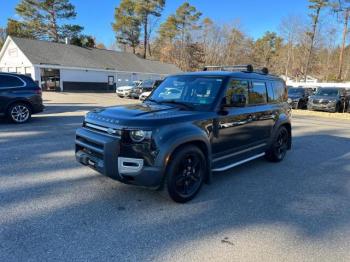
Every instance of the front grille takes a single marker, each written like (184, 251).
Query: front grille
(96, 149)
(323, 102)
(103, 130)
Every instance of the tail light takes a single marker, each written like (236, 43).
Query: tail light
(38, 91)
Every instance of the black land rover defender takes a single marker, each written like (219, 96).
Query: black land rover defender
(192, 125)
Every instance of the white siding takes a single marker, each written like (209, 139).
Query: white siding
(120, 78)
(14, 60)
(73, 75)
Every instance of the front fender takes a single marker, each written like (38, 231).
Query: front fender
(172, 137)
(283, 119)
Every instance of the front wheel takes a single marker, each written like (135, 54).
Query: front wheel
(185, 174)
(279, 146)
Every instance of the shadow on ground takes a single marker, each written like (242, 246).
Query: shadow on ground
(62, 210)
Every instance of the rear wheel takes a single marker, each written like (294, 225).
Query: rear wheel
(185, 174)
(19, 113)
(279, 146)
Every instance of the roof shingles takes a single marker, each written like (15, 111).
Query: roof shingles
(43, 52)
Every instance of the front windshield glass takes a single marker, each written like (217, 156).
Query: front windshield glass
(295, 91)
(195, 91)
(147, 83)
(327, 92)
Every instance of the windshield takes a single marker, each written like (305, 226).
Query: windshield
(196, 91)
(147, 83)
(295, 91)
(327, 92)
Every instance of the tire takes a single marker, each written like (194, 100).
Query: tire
(19, 113)
(185, 174)
(299, 105)
(337, 108)
(279, 146)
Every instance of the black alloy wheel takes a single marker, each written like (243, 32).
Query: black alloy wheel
(185, 174)
(279, 147)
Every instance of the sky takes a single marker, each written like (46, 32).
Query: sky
(255, 16)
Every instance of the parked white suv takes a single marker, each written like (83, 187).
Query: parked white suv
(125, 91)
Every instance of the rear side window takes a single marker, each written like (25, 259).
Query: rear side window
(280, 91)
(270, 93)
(237, 93)
(257, 94)
(7, 81)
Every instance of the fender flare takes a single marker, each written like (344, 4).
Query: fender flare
(182, 137)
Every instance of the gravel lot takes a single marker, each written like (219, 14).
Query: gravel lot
(53, 209)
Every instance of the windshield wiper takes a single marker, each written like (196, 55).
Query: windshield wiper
(176, 103)
(151, 100)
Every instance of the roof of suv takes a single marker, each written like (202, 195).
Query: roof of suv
(236, 74)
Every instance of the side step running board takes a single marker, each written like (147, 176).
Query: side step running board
(221, 169)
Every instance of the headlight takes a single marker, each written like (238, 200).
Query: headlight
(289, 100)
(140, 135)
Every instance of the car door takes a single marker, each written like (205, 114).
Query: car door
(262, 110)
(245, 125)
(9, 85)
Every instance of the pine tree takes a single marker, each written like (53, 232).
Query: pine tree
(177, 29)
(83, 41)
(127, 25)
(44, 19)
(145, 9)
(187, 17)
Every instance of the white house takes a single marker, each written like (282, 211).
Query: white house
(62, 67)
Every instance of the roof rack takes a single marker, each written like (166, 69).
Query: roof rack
(234, 68)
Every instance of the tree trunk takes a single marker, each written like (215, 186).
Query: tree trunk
(341, 56)
(145, 37)
(149, 48)
(314, 27)
(52, 30)
(288, 60)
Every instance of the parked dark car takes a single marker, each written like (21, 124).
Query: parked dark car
(20, 97)
(298, 97)
(329, 99)
(348, 96)
(145, 86)
(219, 120)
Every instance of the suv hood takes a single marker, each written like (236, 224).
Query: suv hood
(141, 115)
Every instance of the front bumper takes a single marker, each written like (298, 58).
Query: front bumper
(330, 107)
(123, 93)
(102, 153)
